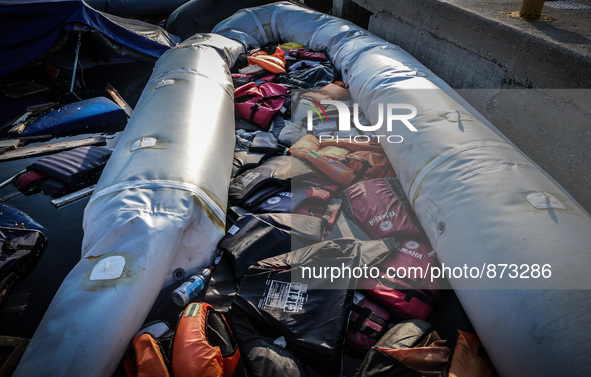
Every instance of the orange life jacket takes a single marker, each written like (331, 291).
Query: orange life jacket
(305, 144)
(368, 158)
(338, 171)
(149, 361)
(469, 358)
(332, 91)
(273, 63)
(203, 344)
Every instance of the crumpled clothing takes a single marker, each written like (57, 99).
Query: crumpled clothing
(244, 139)
(301, 64)
(252, 69)
(316, 76)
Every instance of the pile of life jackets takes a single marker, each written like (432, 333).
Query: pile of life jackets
(304, 207)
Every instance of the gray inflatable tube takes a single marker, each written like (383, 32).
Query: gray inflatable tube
(159, 205)
(481, 201)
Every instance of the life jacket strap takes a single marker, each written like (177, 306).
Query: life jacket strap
(416, 290)
(358, 327)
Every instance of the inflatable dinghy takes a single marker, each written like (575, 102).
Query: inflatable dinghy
(159, 207)
(480, 200)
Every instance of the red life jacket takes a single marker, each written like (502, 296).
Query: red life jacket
(30, 181)
(308, 54)
(259, 104)
(380, 208)
(368, 322)
(410, 295)
(203, 344)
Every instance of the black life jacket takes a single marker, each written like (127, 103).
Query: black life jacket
(309, 312)
(272, 176)
(252, 238)
(256, 237)
(264, 356)
(245, 160)
(20, 251)
(427, 353)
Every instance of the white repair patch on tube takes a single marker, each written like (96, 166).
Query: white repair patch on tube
(457, 117)
(543, 200)
(165, 82)
(108, 268)
(144, 142)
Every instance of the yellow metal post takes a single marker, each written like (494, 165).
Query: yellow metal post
(532, 9)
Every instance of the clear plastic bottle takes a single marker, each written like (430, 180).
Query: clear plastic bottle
(190, 288)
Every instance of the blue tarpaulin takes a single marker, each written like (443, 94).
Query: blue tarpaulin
(29, 28)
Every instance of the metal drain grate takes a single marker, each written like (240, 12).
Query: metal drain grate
(566, 5)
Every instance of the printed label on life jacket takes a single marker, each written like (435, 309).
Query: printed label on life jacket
(410, 248)
(245, 180)
(290, 297)
(273, 200)
(277, 198)
(387, 215)
(386, 225)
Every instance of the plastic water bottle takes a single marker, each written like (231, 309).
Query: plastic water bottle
(189, 289)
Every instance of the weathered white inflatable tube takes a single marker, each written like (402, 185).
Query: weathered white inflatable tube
(159, 205)
(471, 189)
